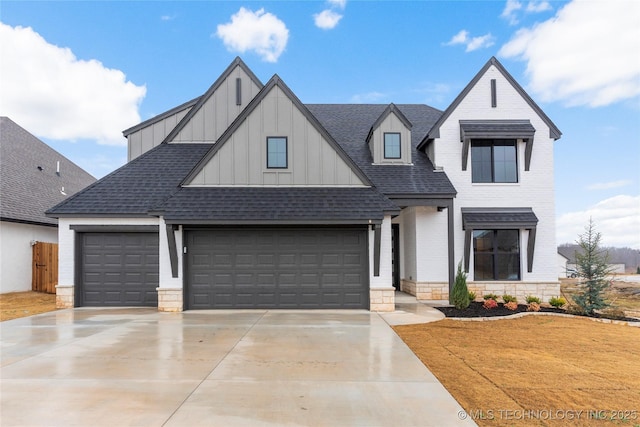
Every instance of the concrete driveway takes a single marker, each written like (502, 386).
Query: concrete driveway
(215, 368)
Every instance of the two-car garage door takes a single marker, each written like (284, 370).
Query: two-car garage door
(277, 268)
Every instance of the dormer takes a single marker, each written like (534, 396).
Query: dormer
(389, 139)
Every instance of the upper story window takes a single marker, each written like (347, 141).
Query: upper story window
(392, 146)
(277, 152)
(493, 160)
(496, 255)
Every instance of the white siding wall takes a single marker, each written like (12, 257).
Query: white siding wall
(385, 279)
(66, 242)
(431, 245)
(535, 188)
(241, 161)
(16, 253)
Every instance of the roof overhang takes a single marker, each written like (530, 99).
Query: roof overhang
(496, 129)
(499, 219)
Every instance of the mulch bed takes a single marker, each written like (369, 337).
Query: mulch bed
(476, 309)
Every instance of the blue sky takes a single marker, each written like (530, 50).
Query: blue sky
(77, 73)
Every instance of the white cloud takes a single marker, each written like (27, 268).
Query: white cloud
(511, 8)
(259, 31)
(585, 55)
(472, 43)
(327, 19)
(509, 12)
(609, 185)
(55, 95)
(338, 3)
(369, 97)
(617, 218)
(538, 6)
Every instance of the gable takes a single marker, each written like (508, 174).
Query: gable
(392, 121)
(218, 107)
(240, 157)
(493, 94)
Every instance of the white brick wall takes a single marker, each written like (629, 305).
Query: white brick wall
(535, 188)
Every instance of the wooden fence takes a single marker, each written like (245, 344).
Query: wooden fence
(45, 267)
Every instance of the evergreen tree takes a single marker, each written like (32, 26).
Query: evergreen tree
(460, 293)
(593, 270)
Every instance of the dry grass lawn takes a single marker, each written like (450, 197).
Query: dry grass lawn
(535, 369)
(22, 304)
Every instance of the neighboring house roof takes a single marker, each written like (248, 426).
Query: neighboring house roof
(33, 176)
(434, 132)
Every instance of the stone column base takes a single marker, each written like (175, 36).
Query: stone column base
(170, 299)
(382, 299)
(65, 296)
(426, 290)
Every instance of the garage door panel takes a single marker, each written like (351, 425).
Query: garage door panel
(277, 268)
(119, 269)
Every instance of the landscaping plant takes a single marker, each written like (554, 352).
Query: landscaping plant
(490, 304)
(472, 296)
(460, 293)
(509, 298)
(593, 271)
(557, 302)
(490, 296)
(533, 306)
(531, 298)
(511, 305)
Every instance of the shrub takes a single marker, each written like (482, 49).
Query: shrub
(490, 304)
(460, 292)
(557, 302)
(472, 296)
(490, 296)
(531, 298)
(533, 306)
(509, 298)
(511, 305)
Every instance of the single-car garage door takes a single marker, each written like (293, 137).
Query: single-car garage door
(118, 269)
(277, 268)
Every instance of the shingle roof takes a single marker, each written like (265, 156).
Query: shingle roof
(29, 184)
(239, 205)
(350, 124)
(152, 181)
(498, 217)
(138, 186)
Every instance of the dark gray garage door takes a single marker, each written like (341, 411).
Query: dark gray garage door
(277, 268)
(118, 269)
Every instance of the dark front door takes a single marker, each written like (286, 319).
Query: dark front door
(395, 253)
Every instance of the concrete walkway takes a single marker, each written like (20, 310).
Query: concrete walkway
(216, 368)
